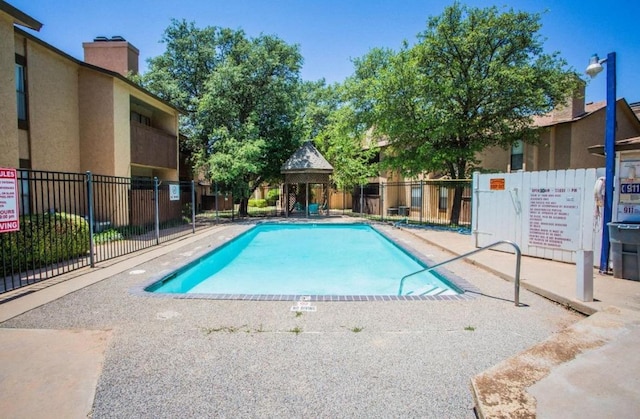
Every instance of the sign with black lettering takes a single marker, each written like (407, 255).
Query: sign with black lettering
(9, 212)
(554, 217)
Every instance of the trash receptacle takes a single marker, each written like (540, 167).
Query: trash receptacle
(625, 250)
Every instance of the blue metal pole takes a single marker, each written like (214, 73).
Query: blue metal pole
(610, 158)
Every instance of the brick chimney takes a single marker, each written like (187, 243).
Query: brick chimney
(573, 108)
(115, 54)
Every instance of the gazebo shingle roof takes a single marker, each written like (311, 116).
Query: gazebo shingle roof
(307, 159)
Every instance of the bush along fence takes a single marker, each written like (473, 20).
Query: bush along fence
(73, 220)
(438, 202)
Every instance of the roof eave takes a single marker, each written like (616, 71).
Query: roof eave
(20, 17)
(99, 69)
(289, 171)
(628, 144)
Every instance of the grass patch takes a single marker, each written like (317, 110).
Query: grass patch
(469, 328)
(223, 329)
(297, 330)
(234, 329)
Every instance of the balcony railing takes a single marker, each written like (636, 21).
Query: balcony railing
(153, 147)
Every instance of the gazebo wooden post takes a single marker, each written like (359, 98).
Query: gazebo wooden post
(306, 165)
(325, 196)
(286, 197)
(307, 199)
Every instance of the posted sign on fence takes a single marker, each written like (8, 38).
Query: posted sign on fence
(554, 217)
(9, 214)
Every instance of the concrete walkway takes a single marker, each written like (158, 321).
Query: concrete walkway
(589, 360)
(54, 373)
(588, 370)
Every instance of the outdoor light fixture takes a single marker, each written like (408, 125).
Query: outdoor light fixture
(595, 67)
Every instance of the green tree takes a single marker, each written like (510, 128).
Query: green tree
(330, 119)
(240, 95)
(249, 112)
(342, 137)
(475, 79)
(180, 74)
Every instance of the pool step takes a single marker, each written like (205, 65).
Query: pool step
(428, 290)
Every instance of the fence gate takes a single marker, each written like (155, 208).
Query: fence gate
(548, 214)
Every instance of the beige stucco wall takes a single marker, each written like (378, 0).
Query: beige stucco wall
(121, 129)
(96, 100)
(585, 133)
(495, 158)
(591, 131)
(629, 126)
(163, 117)
(79, 118)
(23, 144)
(53, 110)
(8, 108)
(565, 145)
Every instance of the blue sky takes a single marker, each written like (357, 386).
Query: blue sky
(332, 32)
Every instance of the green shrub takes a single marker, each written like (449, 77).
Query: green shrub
(258, 203)
(44, 239)
(107, 236)
(272, 196)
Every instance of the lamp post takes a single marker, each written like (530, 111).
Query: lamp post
(595, 67)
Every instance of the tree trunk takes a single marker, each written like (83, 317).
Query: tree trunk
(244, 204)
(459, 174)
(457, 206)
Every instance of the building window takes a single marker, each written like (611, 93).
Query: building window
(21, 91)
(371, 189)
(142, 119)
(443, 199)
(416, 197)
(25, 191)
(517, 154)
(146, 183)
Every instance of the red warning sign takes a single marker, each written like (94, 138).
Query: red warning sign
(9, 213)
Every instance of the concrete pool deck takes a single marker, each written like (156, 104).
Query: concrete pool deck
(353, 359)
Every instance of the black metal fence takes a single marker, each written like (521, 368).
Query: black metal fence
(72, 220)
(439, 202)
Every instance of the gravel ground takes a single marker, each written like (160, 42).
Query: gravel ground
(174, 358)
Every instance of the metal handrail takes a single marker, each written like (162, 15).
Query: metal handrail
(516, 279)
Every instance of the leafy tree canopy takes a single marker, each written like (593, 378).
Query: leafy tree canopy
(241, 95)
(331, 119)
(474, 79)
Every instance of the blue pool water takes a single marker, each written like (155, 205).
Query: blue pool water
(305, 259)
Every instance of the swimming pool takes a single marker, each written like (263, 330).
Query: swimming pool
(278, 259)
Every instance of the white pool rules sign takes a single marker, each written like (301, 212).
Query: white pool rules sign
(9, 213)
(174, 192)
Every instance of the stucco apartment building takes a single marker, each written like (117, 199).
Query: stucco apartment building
(58, 113)
(565, 137)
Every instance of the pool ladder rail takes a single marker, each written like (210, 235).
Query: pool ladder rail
(426, 291)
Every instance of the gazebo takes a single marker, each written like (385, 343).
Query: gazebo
(306, 166)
